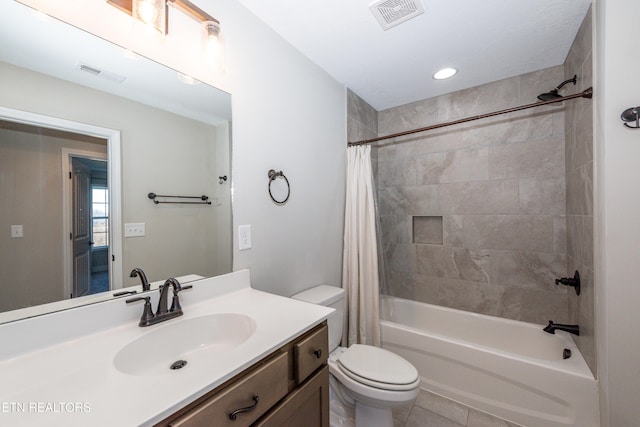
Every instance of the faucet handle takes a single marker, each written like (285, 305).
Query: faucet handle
(147, 313)
(571, 281)
(175, 303)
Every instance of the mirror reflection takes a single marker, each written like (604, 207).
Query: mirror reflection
(87, 131)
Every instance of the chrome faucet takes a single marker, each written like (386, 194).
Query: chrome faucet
(552, 327)
(137, 272)
(162, 313)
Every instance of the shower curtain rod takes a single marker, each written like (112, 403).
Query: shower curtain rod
(587, 93)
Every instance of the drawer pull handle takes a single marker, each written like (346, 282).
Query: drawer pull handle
(234, 414)
(318, 353)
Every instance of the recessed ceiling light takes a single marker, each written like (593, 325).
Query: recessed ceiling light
(445, 73)
(187, 79)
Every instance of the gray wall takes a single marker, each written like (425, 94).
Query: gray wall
(362, 123)
(579, 178)
(31, 269)
(473, 216)
(362, 119)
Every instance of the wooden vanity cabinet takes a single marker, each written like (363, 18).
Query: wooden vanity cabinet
(307, 405)
(290, 387)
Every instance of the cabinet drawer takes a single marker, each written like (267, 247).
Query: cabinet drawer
(268, 383)
(310, 353)
(307, 405)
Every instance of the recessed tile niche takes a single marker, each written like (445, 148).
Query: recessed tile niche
(427, 230)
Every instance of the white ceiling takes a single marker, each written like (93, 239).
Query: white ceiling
(485, 40)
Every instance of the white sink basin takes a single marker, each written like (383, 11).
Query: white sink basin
(197, 341)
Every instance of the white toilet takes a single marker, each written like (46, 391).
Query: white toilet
(371, 379)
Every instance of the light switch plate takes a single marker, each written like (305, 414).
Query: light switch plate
(17, 231)
(134, 229)
(244, 237)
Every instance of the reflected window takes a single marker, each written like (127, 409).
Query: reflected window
(100, 216)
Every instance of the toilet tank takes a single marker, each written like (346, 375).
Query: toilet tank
(329, 296)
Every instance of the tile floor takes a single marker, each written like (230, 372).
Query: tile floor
(431, 410)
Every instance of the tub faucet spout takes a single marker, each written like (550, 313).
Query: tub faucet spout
(551, 328)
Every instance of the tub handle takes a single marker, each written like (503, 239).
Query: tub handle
(571, 281)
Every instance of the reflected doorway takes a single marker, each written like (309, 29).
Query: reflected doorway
(90, 225)
(36, 265)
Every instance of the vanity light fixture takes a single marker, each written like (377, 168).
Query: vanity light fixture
(155, 14)
(445, 73)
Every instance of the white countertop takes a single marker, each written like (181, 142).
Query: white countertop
(75, 383)
(66, 304)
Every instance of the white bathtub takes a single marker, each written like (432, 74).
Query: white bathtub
(504, 367)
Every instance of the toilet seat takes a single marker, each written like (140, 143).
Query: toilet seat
(379, 368)
(375, 396)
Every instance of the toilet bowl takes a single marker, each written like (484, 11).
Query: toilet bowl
(370, 379)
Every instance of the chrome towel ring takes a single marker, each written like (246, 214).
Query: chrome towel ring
(280, 200)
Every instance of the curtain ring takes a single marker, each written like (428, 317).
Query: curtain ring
(272, 176)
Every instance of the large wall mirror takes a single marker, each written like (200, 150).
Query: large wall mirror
(87, 131)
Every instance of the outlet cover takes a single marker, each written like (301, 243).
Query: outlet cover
(244, 237)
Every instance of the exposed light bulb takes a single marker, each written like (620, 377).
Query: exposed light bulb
(212, 42)
(212, 36)
(147, 12)
(152, 13)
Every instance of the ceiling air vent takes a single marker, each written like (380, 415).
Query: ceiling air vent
(107, 75)
(390, 13)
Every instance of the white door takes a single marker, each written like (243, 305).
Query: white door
(81, 229)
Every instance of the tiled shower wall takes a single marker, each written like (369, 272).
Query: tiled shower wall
(478, 216)
(579, 178)
(473, 216)
(362, 119)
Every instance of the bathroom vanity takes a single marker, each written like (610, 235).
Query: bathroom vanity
(245, 354)
(290, 387)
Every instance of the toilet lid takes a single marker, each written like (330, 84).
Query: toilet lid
(378, 367)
